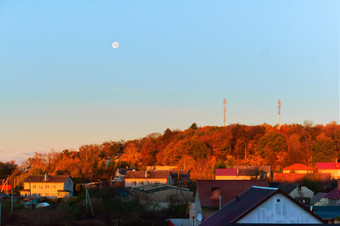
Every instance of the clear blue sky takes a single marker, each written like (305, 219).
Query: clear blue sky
(63, 85)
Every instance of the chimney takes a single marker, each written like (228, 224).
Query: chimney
(46, 176)
(237, 198)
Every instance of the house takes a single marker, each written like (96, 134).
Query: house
(300, 193)
(261, 172)
(51, 186)
(137, 178)
(120, 174)
(298, 169)
(161, 167)
(315, 201)
(332, 198)
(262, 205)
(332, 168)
(180, 178)
(243, 173)
(160, 196)
(211, 195)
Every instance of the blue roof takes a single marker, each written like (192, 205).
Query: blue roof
(327, 212)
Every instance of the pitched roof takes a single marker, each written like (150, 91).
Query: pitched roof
(50, 179)
(228, 189)
(328, 165)
(226, 172)
(317, 197)
(298, 166)
(244, 204)
(161, 174)
(334, 194)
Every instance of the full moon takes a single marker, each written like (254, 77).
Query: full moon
(115, 45)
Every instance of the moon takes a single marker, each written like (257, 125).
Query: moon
(115, 45)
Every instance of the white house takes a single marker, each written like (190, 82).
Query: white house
(263, 205)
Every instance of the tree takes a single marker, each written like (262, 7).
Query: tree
(323, 151)
(194, 126)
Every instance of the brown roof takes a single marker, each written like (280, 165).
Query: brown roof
(228, 189)
(247, 202)
(50, 179)
(150, 174)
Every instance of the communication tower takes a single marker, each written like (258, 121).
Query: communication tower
(278, 115)
(224, 110)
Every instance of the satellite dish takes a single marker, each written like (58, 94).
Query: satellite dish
(115, 45)
(199, 217)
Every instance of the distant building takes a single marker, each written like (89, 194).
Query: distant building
(51, 186)
(211, 194)
(180, 178)
(262, 205)
(138, 178)
(332, 168)
(298, 169)
(243, 173)
(161, 167)
(120, 174)
(160, 196)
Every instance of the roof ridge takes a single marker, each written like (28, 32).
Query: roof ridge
(266, 188)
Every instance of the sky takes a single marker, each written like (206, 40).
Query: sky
(62, 85)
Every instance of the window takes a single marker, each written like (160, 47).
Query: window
(34, 186)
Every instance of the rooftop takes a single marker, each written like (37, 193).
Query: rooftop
(298, 166)
(228, 189)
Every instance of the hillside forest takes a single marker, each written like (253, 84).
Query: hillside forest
(198, 149)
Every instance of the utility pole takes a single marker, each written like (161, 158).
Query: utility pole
(224, 110)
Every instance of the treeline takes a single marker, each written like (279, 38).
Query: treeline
(198, 149)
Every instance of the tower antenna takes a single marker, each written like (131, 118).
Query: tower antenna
(224, 110)
(278, 115)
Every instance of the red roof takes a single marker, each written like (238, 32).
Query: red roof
(226, 172)
(298, 166)
(208, 191)
(251, 199)
(328, 165)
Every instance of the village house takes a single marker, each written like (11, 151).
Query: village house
(161, 167)
(298, 169)
(257, 172)
(51, 186)
(120, 174)
(161, 196)
(301, 194)
(138, 178)
(212, 195)
(333, 168)
(243, 173)
(262, 205)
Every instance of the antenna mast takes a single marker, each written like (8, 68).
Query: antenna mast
(224, 111)
(278, 115)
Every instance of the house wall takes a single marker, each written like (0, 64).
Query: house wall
(327, 202)
(335, 173)
(304, 192)
(44, 189)
(48, 189)
(232, 177)
(273, 212)
(298, 171)
(134, 182)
